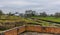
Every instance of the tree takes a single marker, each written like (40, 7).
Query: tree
(51, 15)
(1, 13)
(43, 14)
(16, 13)
(10, 14)
(21, 14)
(57, 14)
(29, 13)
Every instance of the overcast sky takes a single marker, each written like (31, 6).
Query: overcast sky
(50, 6)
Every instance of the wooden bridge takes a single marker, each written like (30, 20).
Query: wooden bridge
(35, 28)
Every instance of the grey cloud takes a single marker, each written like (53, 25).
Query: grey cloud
(38, 5)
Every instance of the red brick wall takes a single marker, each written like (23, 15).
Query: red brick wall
(43, 29)
(57, 30)
(11, 32)
(32, 28)
(21, 29)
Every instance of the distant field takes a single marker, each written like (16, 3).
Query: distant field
(49, 18)
(46, 23)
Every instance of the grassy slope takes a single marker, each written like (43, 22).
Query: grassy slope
(12, 19)
(27, 20)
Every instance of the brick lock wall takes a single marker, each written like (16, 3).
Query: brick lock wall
(57, 30)
(11, 32)
(21, 29)
(40, 29)
(34, 28)
(43, 29)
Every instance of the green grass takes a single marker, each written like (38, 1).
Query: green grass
(2, 29)
(12, 18)
(48, 24)
(27, 21)
(41, 23)
(49, 18)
